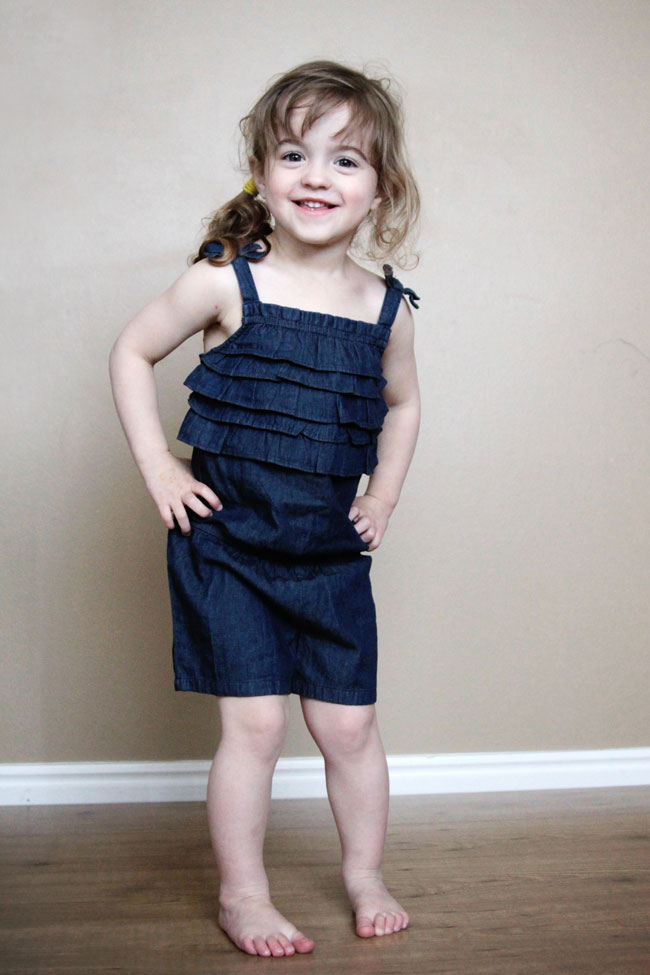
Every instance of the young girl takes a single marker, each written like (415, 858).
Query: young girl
(307, 381)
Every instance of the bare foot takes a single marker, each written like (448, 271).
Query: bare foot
(377, 913)
(254, 925)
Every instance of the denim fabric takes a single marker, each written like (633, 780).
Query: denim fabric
(272, 594)
(293, 387)
(273, 511)
(245, 625)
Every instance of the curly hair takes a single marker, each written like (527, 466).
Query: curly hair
(375, 111)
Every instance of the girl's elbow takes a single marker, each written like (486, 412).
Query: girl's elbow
(408, 403)
(415, 413)
(123, 351)
(117, 356)
(113, 357)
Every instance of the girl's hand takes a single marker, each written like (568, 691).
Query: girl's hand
(370, 517)
(172, 486)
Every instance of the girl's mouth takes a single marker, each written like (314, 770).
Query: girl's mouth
(314, 206)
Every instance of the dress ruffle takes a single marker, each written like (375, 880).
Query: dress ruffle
(298, 452)
(253, 367)
(318, 348)
(292, 387)
(294, 399)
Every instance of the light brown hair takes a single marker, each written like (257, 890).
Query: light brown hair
(375, 112)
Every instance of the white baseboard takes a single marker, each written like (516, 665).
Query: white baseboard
(304, 778)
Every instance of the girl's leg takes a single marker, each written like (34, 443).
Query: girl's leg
(239, 797)
(357, 786)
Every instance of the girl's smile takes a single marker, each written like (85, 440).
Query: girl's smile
(313, 205)
(320, 185)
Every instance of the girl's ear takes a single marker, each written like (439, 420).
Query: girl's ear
(257, 170)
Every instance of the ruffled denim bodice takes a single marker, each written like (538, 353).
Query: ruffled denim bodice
(295, 388)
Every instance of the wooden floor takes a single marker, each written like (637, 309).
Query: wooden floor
(533, 883)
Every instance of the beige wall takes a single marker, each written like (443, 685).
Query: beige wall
(513, 587)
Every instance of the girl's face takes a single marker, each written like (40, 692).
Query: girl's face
(319, 186)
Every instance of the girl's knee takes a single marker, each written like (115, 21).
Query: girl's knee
(257, 723)
(340, 728)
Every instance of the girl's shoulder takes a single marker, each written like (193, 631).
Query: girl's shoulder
(370, 288)
(211, 284)
(371, 280)
(399, 301)
(379, 282)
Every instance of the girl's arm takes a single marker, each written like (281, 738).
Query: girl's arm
(190, 305)
(396, 443)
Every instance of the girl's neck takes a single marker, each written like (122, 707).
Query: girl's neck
(287, 254)
(320, 279)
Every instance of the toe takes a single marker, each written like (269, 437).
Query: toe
(390, 924)
(248, 945)
(365, 927)
(289, 948)
(302, 943)
(261, 946)
(380, 924)
(274, 944)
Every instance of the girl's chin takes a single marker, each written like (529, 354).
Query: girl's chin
(319, 229)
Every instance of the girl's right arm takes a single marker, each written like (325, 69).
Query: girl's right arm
(190, 305)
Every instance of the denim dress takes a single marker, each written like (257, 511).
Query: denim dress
(272, 594)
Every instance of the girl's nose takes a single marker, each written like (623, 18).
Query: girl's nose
(315, 175)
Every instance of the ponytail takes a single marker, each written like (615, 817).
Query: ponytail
(243, 220)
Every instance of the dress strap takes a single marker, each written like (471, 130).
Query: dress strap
(250, 252)
(247, 287)
(395, 291)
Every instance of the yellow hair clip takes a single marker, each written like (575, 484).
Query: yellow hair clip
(250, 187)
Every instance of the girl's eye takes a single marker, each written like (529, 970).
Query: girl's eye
(292, 156)
(346, 163)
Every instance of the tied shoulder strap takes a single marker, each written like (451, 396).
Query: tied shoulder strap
(250, 252)
(392, 282)
(395, 291)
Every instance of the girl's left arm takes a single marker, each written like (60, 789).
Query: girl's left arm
(396, 443)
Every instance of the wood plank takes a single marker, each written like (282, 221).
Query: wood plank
(497, 884)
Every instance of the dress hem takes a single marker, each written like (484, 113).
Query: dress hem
(266, 686)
